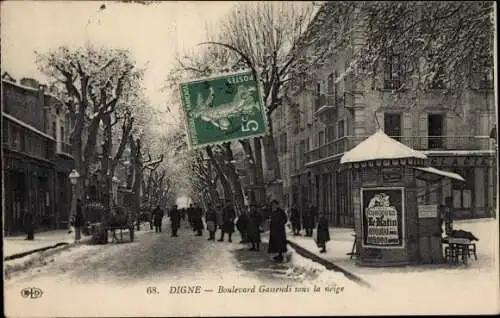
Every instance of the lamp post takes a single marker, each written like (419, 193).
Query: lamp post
(73, 177)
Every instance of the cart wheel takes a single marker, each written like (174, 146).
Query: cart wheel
(131, 230)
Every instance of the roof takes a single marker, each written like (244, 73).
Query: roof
(380, 146)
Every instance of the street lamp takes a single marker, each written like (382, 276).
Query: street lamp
(73, 177)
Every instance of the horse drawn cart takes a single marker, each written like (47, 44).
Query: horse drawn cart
(115, 223)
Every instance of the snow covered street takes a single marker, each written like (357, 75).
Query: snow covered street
(114, 279)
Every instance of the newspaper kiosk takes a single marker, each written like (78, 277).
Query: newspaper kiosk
(384, 176)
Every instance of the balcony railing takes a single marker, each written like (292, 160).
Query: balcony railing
(64, 148)
(323, 100)
(422, 143)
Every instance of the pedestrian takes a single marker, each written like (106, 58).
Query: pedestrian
(448, 215)
(175, 220)
(198, 220)
(277, 233)
(322, 233)
(228, 215)
(79, 220)
(190, 213)
(211, 219)
(306, 217)
(253, 228)
(242, 225)
(158, 218)
(295, 219)
(29, 224)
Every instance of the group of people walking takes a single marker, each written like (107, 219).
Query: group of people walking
(249, 223)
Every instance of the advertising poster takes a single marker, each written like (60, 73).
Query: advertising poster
(383, 217)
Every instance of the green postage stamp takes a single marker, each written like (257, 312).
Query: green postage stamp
(221, 109)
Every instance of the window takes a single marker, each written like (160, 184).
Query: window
(283, 143)
(296, 120)
(5, 133)
(331, 89)
(330, 133)
(54, 130)
(341, 129)
(321, 138)
(392, 125)
(438, 80)
(302, 151)
(392, 71)
(23, 142)
(62, 134)
(463, 194)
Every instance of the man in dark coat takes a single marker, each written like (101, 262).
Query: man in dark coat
(211, 219)
(295, 219)
(175, 220)
(198, 220)
(228, 215)
(158, 217)
(29, 224)
(322, 233)
(253, 228)
(277, 234)
(307, 221)
(79, 220)
(242, 225)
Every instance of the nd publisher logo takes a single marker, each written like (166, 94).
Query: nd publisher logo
(31, 292)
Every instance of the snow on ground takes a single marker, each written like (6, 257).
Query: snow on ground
(439, 288)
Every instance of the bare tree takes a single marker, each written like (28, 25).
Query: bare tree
(92, 81)
(259, 36)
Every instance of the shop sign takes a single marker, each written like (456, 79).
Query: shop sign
(427, 211)
(382, 217)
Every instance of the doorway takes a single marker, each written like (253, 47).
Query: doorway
(435, 129)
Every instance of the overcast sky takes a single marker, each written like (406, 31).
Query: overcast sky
(153, 33)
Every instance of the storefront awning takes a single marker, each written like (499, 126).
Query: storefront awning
(433, 174)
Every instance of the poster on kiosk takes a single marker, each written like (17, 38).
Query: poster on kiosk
(383, 217)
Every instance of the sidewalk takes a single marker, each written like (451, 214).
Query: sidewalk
(13, 245)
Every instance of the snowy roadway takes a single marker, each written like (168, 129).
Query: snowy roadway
(138, 279)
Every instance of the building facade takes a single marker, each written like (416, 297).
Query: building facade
(335, 111)
(33, 156)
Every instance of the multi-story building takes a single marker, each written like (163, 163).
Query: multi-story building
(333, 113)
(36, 156)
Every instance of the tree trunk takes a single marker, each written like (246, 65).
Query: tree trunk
(272, 162)
(226, 186)
(106, 164)
(230, 172)
(260, 190)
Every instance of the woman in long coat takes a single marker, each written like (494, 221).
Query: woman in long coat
(253, 228)
(322, 233)
(295, 219)
(277, 235)
(211, 219)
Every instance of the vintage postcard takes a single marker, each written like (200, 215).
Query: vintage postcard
(249, 158)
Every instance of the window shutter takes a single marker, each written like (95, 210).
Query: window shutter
(450, 130)
(407, 130)
(380, 119)
(423, 130)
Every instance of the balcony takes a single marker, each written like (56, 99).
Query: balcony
(64, 149)
(325, 108)
(422, 143)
